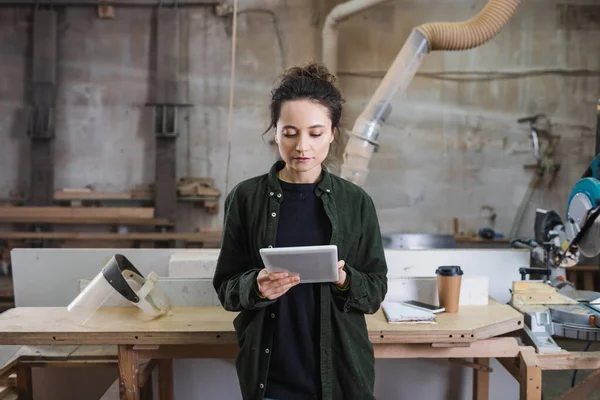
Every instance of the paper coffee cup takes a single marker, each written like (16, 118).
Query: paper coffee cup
(448, 283)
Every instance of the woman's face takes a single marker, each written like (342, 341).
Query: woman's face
(303, 135)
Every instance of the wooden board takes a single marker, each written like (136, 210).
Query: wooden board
(90, 195)
(188, 325)
(207, 236)
(76, 212)
(85, 220)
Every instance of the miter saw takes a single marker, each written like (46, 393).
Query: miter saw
(558, 245)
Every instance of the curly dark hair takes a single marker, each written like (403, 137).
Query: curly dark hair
(311, 81)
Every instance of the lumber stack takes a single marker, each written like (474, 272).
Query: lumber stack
(202, 189)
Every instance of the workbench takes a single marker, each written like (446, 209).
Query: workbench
(207, 332)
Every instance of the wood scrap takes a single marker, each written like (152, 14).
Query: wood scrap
(197, 187)
(143, 191)
(537, 293)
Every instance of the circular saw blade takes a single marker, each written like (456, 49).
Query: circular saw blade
(589, 245)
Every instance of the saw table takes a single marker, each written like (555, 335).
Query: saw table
(207, 332)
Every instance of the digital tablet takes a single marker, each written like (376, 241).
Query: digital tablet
(311, 263)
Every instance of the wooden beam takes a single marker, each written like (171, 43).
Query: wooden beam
(488, 348)
(510, 364)
(585, 388)
(128, 374)
(24, 382)
(205, 237)
(86, 221)
(531, 375)
(76, 212)
(570, 360)
(484, 367)
(145, 375)
(481, 379)
(165, 379)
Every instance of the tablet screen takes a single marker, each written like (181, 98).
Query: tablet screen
(310, 263)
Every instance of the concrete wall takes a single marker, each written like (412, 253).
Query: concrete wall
(449, 148)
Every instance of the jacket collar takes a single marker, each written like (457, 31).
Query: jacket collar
(324, 186)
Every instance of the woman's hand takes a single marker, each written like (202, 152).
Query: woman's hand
(341, 274)
(275, 284)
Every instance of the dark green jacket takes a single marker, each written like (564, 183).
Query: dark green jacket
(346, 355)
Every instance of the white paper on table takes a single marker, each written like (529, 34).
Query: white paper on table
(397, 312)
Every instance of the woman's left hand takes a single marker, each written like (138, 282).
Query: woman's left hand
(341, 274)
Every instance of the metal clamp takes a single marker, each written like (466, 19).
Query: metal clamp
(41, 123)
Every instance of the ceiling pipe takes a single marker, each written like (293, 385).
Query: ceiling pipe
(422, 40)
(329, 34)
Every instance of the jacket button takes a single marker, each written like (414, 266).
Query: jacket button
(273, 214)
(279, 195)
(271, 194)
(328, 191)
(269, 246)
(272, 315)
(267, 351)
(262, 386)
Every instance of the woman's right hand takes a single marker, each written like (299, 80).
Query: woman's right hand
(275, 284)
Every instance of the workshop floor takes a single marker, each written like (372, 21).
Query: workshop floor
(557, 383)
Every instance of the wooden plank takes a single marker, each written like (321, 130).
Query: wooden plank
(77, 212)
(9, 356)
(526, 287)
(6, 393)
(570, 360)
(226, 351)
(85, 221)
(208, 236)
(541, 298)
(585, 388)
(145, 375)
(475, 364)
(128, 374)
(212, 324)
(511, 366)
(165, 379)
(24, 382)
(481, 380)
(62, 195)
(487, 348)
(531, 375)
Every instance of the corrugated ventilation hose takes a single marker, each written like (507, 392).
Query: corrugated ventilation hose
(472, 33)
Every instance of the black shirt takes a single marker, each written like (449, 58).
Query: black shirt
(294, 367)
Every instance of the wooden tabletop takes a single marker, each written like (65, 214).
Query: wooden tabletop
(195, 325)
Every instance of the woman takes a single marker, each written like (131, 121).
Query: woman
(302, 341)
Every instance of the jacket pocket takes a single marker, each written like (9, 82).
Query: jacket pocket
(347, 244)
(241, 323)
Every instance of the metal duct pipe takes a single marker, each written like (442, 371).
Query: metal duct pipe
(329, 34)
(422, 40)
